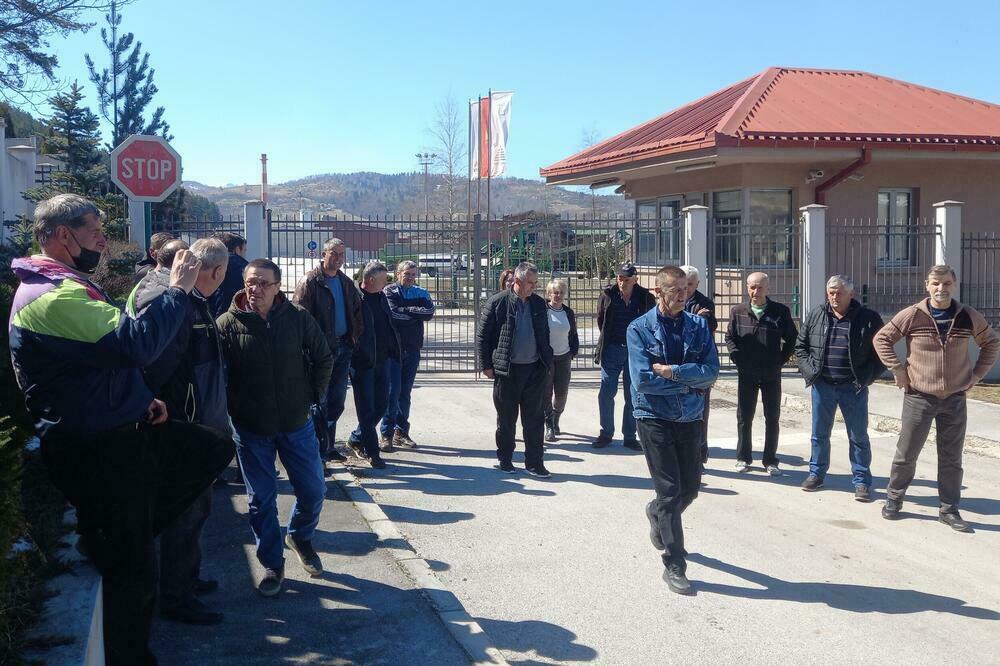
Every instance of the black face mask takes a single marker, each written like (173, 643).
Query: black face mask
(87, 260)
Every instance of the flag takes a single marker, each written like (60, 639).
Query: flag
(499, 115)
(484, 138)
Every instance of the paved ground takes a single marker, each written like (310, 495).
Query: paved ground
(561, 570)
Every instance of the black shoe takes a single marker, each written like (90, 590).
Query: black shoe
(555, 425)
(358, 448)
(601, 441)
(654, 527)
(307, 555)
(270, 584)
(954, 520)
(676, 580)
(862, 493)
(538, 470)
(333, 455)
(891, 508)
(550, 433)
(205, 586)
(376, 462)
(632, 444)
(195, 612)
(506, 466)
(812, 483)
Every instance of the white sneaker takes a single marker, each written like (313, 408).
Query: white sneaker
(773, 470)
(742, 467)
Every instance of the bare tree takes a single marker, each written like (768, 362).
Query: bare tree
(590, 136)
(449, 134)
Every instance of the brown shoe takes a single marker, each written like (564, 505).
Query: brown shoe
(400, 438)
(385, 444)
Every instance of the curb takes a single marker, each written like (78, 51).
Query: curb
(463, 628)
(887, 424)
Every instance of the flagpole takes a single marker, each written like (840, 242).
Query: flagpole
(489, 151)
(468, 188)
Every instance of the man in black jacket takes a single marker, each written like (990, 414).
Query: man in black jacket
(699, 304)
(232, 284)
(514, 351)
(334, 300)
(148, 263)
(838, 360)
(277, 361)
(617, 307)
(188, 376)
(761, 339)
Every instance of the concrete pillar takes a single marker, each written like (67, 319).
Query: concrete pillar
(696, 238)
(137, 224)
(813, 256)
(948, 217)
(255, 230)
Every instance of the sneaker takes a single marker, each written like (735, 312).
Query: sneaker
(601, 441)
(891, 508)
(550, 434)
(307, 555)
(538, 470)
(676, 580)
(270, 584)
(333, 455)
(862, 493)
(194, 612)
(654, 527)
(773, 470)
(385, 444)
(954, 520)
(812, 483)
(205, 586)
(632, 444)
(742, 466)
(376, 462)
(358, 448)
(400, 438)
(506, 466)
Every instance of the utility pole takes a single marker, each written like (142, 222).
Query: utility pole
(425, 160)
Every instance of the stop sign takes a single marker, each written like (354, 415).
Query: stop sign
(146, 168)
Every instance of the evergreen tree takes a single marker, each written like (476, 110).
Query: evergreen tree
(126, 88)
(76, 138)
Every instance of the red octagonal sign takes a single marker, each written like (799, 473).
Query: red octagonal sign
(146, 168)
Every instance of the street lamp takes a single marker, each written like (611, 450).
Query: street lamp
(425, 160)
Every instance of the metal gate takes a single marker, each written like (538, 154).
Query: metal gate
(980, 278)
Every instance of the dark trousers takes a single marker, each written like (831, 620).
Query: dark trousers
(180, 553)
(336, 394)
(704, 421)
(949, 415)
(557, 385)
(128, 485)
(769, 388)
(521, 390)
(371, 397)
(402, 375)
(673, 455)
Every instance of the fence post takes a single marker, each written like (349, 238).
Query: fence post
(948, 250)
(137, 224)
(813, 256)
(696, 237)
(254, 229)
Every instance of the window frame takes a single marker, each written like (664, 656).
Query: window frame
(887, 260)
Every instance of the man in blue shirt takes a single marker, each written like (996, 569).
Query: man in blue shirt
(673, 362)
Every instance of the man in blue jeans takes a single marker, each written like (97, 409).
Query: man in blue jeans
(334, 301)
(277, 361)
(836, 357)
(411, 306)
(618, 306)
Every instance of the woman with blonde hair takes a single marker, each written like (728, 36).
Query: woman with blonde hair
(565, 345)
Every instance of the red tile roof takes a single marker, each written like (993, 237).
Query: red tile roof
(803, 108)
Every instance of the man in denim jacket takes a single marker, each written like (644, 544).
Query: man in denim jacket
(673, 361)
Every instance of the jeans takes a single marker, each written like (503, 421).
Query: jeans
(371, 395)
(336, 392)
(769, 388)
(853, 405)
(402, 374)
(673, 455)
(614, 362)
(180, 553)
(520, 391)
(128, 485)
(949, 414)
(557, 385)
(299, 454)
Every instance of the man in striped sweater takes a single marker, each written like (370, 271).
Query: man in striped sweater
(936, 376)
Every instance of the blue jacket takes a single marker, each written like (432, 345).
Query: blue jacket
(410, 307)
(77, 357)
(683, 397)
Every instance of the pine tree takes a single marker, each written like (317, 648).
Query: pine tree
(126, 88)
(76, 138)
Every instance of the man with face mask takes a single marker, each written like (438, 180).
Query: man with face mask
(105, 439)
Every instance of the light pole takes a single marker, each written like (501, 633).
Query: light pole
(425, 160)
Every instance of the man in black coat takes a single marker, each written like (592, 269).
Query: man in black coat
(761, 339)
(514, 351)
(233, 282)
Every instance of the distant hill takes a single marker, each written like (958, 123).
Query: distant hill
(402, 194)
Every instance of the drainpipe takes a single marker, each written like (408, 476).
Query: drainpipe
(841, 176)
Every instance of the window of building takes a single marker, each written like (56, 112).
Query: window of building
(895, 224)
(774, 235)
(659, 231)
(727, 211)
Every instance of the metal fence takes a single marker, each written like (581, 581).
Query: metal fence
(888, 260)
(460, 262)
(980, 279)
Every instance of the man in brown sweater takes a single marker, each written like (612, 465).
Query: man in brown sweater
(935, 378)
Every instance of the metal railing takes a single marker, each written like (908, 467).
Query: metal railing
(980, 279)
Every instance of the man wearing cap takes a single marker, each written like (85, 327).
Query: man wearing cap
(618, 306)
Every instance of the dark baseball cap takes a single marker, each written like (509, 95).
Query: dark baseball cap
(626, 270)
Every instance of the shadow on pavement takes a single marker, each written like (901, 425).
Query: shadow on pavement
(842, 596)
(406, 514)
(541, 638)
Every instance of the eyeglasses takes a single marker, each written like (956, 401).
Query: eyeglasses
(263, 284)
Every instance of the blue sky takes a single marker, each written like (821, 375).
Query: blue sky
(331, 86)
